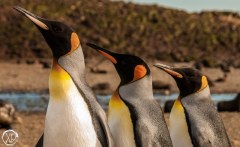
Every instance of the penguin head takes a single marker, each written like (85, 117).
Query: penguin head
(188, 80)
(61, 39)
(129, 67)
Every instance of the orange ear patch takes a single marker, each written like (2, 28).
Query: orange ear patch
(75, 42)
(139, 72)
(204, 83)
(173, 73)
(109, 57)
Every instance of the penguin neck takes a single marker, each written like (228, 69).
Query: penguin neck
(73, 63)
(138, 89)
(204, 93)
(63, 72)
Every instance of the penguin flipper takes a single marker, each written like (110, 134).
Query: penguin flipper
(105, 129)
(40, 142)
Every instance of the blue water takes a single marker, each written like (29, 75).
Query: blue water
(38, 102)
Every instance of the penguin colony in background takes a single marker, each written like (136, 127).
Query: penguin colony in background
(74, 118)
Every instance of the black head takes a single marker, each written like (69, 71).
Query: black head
(188, 80)
(60, 38)
(129, 67)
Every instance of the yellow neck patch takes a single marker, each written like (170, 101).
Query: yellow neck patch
(178, 105)
(59, 82)
(115, 101)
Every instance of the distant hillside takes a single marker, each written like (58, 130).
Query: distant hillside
(151, 32)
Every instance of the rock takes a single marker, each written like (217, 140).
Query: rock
(7, 114)
(225, 67)
(198, 65)
(209, 63)
(45, 64)
(101, 86)
(176, 56)
(210, 82)
(99, 71)
(38, 52)
(222, 79)
(158, 85)
(18, 61)
(168, 106)
(29, 61)
(233, 105)
(236, 64)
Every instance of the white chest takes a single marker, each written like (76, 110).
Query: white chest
(178, 127)
(68, 121)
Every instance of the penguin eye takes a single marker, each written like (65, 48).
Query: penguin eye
(57, 29)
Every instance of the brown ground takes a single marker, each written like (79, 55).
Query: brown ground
(23, 77)
(32, 126)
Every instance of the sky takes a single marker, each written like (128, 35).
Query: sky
(196, 5)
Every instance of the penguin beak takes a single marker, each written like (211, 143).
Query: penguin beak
(104, 52)
(170, 70)
(38, 21)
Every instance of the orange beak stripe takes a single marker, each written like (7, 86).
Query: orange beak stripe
(173, 73)
(109, 57)
(139, 72)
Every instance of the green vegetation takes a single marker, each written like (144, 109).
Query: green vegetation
(151, 32)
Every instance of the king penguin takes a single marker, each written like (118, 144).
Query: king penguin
(74, 118)
(135, 118)
(194, 121)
